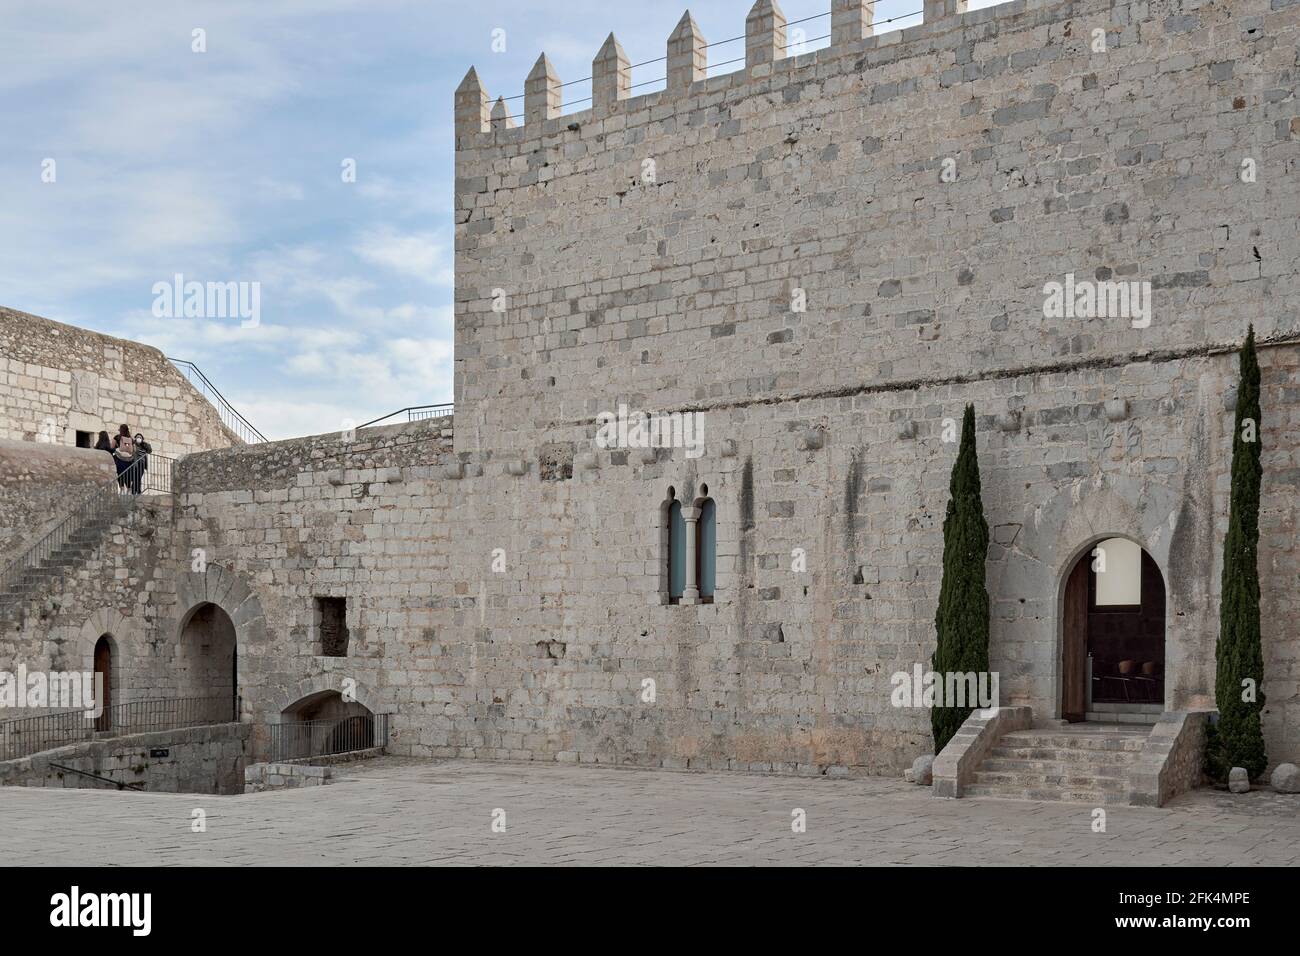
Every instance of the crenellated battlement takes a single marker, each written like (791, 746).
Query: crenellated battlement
(852, 32)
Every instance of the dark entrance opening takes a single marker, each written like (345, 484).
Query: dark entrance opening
(104, 673)
(85, 440)
(1113, 630)
(207, 661)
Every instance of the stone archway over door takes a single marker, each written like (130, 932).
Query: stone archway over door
(1113, 633)
(238, 606)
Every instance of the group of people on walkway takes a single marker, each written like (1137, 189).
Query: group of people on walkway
(126, 450)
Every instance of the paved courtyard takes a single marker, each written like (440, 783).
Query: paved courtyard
(402, 811)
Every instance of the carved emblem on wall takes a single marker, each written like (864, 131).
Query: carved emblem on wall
(85, 392)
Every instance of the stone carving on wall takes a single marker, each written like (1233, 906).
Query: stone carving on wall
(85, 392)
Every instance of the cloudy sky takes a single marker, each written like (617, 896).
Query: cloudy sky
(228, 166)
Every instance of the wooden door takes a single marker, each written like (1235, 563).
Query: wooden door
(104, 669)
(1074, 642)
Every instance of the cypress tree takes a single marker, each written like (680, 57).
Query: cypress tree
(1239, 741)
(962, 621)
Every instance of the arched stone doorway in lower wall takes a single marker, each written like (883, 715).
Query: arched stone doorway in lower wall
(207, 659)
(322, 724)
(1113, 631)
(103, 655)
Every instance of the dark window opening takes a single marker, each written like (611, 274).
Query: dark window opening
(332, 620)
(85, 440)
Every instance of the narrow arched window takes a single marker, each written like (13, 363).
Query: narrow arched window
(706, 549)
(676, 552)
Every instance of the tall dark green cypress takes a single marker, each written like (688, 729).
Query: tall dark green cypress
(1240, 738)
(962, 621)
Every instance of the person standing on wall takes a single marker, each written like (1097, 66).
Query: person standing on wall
(123, 454)
(142, 452)
(104, 443)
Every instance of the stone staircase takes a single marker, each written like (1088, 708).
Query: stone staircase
(36, 581)
(1085, 763)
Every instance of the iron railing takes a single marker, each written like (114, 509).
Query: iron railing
(147, 474)
(305, 739)
(415, 413)
(97, 777)
(230, 416)
(28, 735)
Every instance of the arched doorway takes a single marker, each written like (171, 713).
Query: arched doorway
(207, 660)
(1113, 634)
(104, 682)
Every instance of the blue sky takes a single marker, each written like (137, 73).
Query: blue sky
(225, 166)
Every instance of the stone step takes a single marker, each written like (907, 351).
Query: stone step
(1115, 717)
(1020, 780)
(1072, 795)
(1064, 740)
(1126, 707)
(65, 560)
(1077, 755)
(1051, 765)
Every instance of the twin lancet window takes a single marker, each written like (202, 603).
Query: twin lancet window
(689, 539)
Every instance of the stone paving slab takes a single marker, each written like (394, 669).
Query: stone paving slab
(401, 811)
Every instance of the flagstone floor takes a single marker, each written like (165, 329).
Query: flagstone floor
(404, 811)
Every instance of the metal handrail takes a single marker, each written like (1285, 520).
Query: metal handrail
(415, 413)
(22, 736)
(229, 415)
(94, 776)
(148, 473)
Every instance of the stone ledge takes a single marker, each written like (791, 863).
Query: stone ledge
(1171, 760)
(957, 763)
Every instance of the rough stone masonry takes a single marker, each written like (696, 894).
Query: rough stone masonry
(824, 257)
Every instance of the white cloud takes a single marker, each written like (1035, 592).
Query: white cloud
(417, 255)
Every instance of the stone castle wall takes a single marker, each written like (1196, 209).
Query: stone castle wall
(193, 760)
(547, 658)
(124, 588)
(56, 380)
(504, 581)
(651, 249)
(41, 482)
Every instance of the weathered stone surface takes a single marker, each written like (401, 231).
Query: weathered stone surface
(56, 380)
(1238, 780)
(1286, 778)
(923, 770)
(670, 285)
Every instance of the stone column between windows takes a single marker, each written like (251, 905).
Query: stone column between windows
(691, 593)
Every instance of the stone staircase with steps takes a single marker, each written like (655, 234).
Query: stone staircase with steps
(33, 583)
(1085, 763)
